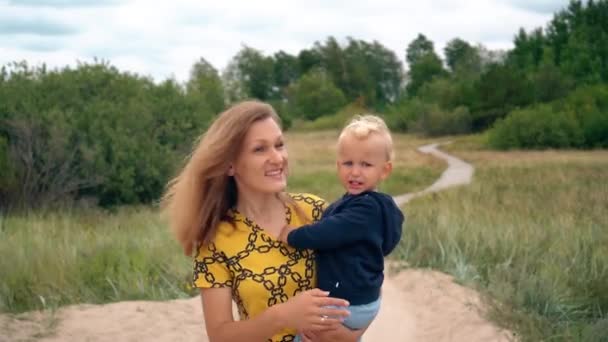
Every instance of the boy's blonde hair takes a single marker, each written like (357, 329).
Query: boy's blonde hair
(362, 126)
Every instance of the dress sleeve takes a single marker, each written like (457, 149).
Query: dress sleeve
(210, 268)
(312, 205)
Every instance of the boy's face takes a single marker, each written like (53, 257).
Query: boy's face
(362, 163)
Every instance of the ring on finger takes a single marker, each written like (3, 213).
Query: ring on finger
(323, 318)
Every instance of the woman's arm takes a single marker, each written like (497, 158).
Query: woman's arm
(305, 311)
(220, 323)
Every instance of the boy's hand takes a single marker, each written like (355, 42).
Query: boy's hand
(286, 230)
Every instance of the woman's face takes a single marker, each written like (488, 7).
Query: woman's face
(261, 166)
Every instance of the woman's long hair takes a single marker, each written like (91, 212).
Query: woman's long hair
(200, 196)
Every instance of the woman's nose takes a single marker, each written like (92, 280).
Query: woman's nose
(276, 156)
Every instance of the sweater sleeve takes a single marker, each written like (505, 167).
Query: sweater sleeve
(352, 223)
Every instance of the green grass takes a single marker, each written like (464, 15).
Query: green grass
(94, 256)
(531, 233)
(49, 260)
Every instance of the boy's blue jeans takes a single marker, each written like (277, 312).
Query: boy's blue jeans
(360, 316)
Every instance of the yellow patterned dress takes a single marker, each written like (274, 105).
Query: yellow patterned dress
(260, 270)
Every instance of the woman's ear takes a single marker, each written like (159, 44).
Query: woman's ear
(230, 171)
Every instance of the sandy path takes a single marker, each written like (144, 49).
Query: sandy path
(457, 173)
(417, 305)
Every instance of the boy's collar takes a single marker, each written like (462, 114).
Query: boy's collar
(359, 194)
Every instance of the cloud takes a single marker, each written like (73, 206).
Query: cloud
(35, 26)
(63, 3)
(36, 43)
(164, 38)
(539, 6)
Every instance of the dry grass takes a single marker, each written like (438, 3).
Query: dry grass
(316, 151)
(530, 232)
(52, 259)
(313, 164)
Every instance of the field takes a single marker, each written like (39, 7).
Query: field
(50, 259)
(530, 234)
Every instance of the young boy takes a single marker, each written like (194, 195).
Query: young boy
(361, 228)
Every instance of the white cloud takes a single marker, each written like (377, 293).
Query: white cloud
(164, 39)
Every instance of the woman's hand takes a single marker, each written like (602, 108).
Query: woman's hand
(308, 336)
(307, 311)
(336, 334)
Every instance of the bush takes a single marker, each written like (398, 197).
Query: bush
(579, 121)
(590, 104)
(537, 128)
(417, 116)
(92, 131)
(435, 121)
(401, 116)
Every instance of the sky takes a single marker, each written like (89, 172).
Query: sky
(163, 39)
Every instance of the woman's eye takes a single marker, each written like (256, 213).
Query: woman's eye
(259, 149)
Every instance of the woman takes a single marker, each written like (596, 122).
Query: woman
(228, 206)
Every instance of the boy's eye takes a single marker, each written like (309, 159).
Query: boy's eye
(280, 145)
(366, 164)
(347, 163)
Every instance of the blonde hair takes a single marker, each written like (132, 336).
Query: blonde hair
(362, 126)
(200, 196)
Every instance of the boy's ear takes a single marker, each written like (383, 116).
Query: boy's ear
(386, 170)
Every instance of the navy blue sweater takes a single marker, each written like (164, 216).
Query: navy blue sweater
(351, 240)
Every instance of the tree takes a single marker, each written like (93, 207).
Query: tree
(315, 95)
(365, 72)
(376, 72)
(461, 57)
(528, 51)
(206, 85)
(308, 59)
(419, 48)
(549, 81)
(423, 71)
(500, 89)
(285, 71)
(252, 71)
(424, 63)
(233, 83)
(333, 61)
(578, 40)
